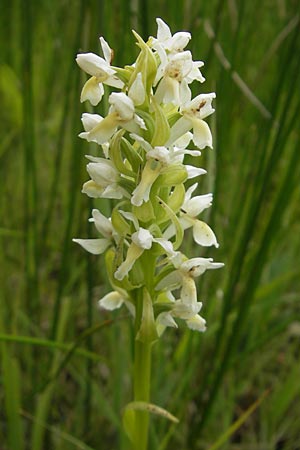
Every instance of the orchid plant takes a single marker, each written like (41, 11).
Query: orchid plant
(151, 123)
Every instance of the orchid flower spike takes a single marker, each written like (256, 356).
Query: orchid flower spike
(152, 130)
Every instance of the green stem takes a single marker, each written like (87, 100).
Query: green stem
(142, 381)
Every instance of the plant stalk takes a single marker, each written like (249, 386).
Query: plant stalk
(142, 381)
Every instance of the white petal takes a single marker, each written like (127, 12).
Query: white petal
(186, 310)
(189, 192)
(170, 231)
(131, 125)
(94, 246)
(131, 217)
(90, 121)
(179, 41)
(133, 253)
(114, 81)
(200, 106)
(202, 135)
(92, 189)
(163, 31)
(107, 51)
(103, 173)
(96, 159)
(197, 266)
(168, 91)
(92, 91)
(195, 73)
(144, 144)
(194, 171)
(163, 62)
(104, 130)
(166, 245)
(161, 154)
(166, 320)
(178, 129)
(196, 205)
(113, 190)
(112, 300)
(139, 121)
(171, 281)
(185, 93)
(142, 238)
(137, 90)
(186, 221)
(105, 148)
(196, 323)
(102, 223)
(142, 192)
(94, 65)
(204, 235)
(188, 292)
(123, 105)
(183, 141)
(84, 135)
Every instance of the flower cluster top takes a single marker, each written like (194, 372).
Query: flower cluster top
(151, 124)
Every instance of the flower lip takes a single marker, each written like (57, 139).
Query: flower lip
(200, 107)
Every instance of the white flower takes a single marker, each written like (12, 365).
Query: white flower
(112, 300)
(187, 306)
(104, 180)
(101, 72)
(193, 113)
(184, 276)
(184, 311)
(173, 44)
(115, 299)
(176, 72)
(195, 267)
(103, 172)
(104, 226)
(190, 209)
(141, 240)
(158, 160)
(94, 190)
(121, 114)
(194, 206)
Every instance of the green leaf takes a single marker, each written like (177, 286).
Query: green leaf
(238, 423)
(12, 393)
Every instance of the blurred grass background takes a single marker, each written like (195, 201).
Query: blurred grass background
(65, 366)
